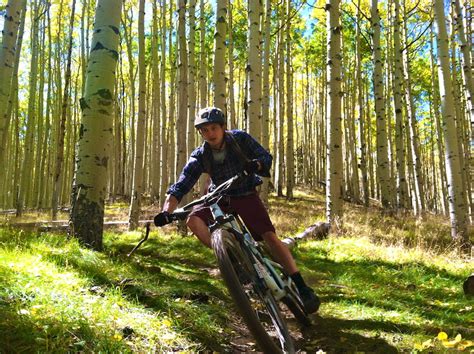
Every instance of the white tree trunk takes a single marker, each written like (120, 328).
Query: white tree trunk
(334, 133)
(266, 93)
(7, 57)
(137, 180)
(254, 68)
(220, 36)
(290, 162)
(95, 136)
(457, 206)
(402, 187)
(192, 77)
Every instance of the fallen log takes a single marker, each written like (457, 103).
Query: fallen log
(63, 225)
(317, 231)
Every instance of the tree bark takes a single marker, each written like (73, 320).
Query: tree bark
(254, 69)
(7, 58)
(220, 35)
(457, 206)
(137, 180)
(57, 181)
(89, 192)
(402, 187)
(290, 162)
(334, 132)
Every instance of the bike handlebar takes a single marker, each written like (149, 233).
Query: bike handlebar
(183, 212)
(207, 199)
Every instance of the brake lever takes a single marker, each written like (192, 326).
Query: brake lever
(147, 232)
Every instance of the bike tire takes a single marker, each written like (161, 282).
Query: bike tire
(233, 261)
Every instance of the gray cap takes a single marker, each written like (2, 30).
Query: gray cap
(209, 115)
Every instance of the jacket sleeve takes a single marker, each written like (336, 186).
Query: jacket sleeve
(188, 177)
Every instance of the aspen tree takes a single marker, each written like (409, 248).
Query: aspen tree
(254, 69)
(360, 97)
(414, 139)
(266, 93)
(7, 56)
(137, 179)
(6, 183)
(89, 191)
(131, 78)
(402, 187)
(333, 115)
(156, 109)
(466, 62)
(219, 79)
(172, 100)
(457, 206)
(192, 77)
(47, 152)
(459, 106)
(164, 141)
(182, 113)
(290, 162)
(29, 150)
(84, 41)
(57, 181)
(42, 128)
(232, 116)
(280, 151)
(202, 57)
(439, 131)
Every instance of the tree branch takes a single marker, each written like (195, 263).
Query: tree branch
(417, 38)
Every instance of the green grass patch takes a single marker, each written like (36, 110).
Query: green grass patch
(58, 296)
(387, 284)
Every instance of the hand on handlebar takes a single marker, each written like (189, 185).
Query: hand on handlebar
(162, 219)
(252, 166)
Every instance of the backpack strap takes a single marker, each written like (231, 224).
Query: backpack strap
(234, 145)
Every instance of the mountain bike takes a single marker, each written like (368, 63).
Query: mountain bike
(256, 283)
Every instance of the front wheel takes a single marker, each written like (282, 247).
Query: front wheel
(257, 306)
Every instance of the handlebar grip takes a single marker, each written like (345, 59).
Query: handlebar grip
(162, 219)
(165, 218)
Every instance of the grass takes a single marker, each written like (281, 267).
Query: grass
(387, 284)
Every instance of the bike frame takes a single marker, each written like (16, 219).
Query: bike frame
(264, 267)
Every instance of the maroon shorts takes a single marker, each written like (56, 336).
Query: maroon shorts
(250, 208)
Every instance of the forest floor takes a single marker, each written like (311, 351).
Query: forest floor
(387, 284)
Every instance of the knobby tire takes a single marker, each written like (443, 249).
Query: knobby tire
(236, 268)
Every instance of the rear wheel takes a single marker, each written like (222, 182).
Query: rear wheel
(257, 306)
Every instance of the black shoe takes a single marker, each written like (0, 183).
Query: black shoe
(310, 300)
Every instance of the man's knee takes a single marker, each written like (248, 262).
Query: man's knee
(194, 222)
(270, 237)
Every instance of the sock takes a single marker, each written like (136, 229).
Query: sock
(299, 281)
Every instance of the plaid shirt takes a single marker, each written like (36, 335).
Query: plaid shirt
(231, 166)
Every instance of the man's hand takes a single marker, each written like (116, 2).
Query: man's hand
(252, 166)
(162, 218)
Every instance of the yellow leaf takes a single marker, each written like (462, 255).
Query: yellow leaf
(458, 338)
(465, 344)
(166, 323)
(418, 346)
(442, 336)
(426, 344)
(450, 344)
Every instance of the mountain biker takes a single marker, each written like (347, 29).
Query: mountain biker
(222, 155)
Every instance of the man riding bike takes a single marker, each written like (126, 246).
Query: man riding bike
(222, 155)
